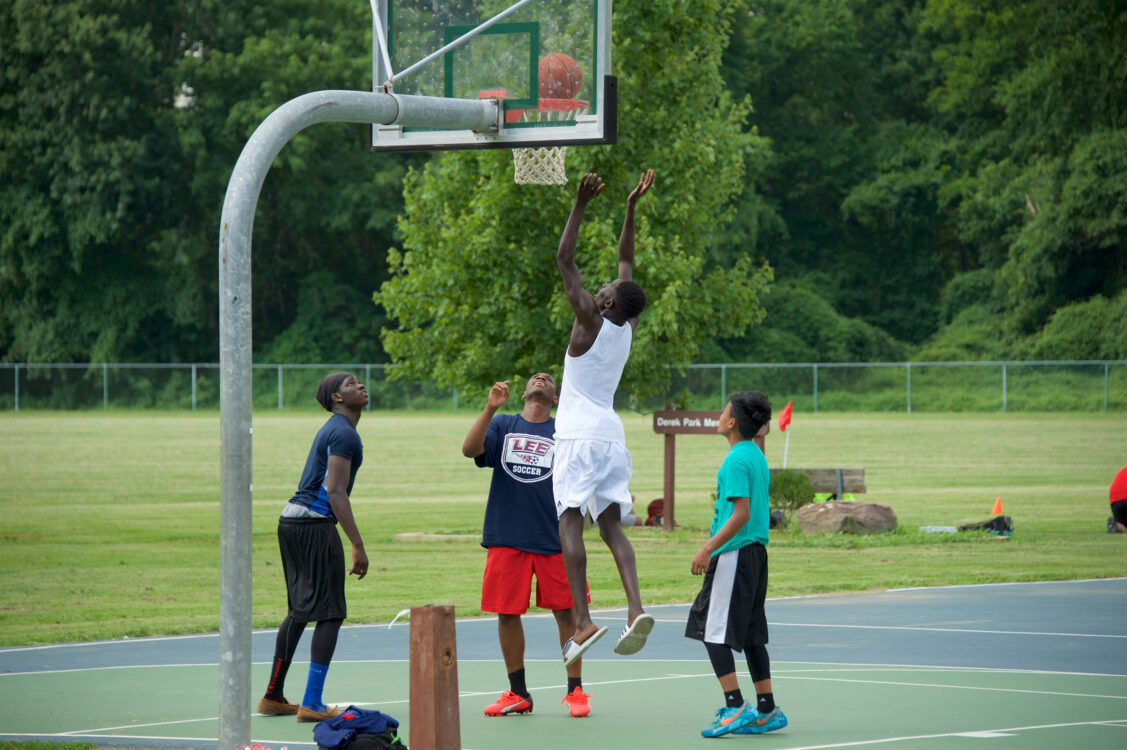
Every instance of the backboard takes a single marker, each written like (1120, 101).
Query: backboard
(548, 61)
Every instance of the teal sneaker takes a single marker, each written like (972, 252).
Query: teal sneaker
(761, 723)
(730, 719)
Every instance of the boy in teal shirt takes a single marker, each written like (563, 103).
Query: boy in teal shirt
(728, 611)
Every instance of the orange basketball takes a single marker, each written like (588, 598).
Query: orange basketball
(560, 77)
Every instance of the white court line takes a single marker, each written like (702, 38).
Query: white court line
(709, 675)
(959, 687)
(485, 619)
(290, 743)
(941, 630)
(908, 738)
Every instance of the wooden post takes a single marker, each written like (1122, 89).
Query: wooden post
(667, 499)
(434, 680)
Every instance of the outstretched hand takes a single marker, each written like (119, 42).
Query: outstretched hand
(590, 186)
(644, 183)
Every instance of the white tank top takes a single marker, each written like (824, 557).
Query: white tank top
(586, 408)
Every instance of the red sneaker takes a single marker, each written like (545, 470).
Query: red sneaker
(509, 703)
(576, 702)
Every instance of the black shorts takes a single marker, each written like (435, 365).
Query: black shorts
(313, 561)
(729, 608)
(1119, 511)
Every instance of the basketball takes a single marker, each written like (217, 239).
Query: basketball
(560, 77)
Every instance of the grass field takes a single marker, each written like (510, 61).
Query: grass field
(111, 520)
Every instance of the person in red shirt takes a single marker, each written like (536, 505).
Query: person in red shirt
(1117, 524)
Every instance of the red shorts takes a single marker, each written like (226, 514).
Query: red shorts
(508, 580)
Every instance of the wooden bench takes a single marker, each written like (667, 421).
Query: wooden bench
(837, 481)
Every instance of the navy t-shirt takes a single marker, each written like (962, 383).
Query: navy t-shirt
(521, 511)
(336, 438)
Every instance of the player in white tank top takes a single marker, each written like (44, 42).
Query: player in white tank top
(589, 383)
(592, 469)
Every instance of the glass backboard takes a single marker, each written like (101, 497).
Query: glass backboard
(547, 61)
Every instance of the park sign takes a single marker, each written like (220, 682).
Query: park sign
(672, 423)
(686, 422)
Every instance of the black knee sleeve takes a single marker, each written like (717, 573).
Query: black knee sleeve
(721, 657)
(324, 641)
(289, 633)
(758, 663)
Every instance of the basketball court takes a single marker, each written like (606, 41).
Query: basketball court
(1028, 665)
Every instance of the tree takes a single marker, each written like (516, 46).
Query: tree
(475, 291)
(120, 124)
(839, 87)
(1032, 97)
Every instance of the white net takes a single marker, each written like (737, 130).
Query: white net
(545, 165)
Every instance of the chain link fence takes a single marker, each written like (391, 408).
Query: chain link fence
(1077, 385)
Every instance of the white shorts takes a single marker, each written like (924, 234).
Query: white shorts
(590, 475)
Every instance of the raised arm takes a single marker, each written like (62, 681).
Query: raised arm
(587, 320)
(474, 444)
(626, 239)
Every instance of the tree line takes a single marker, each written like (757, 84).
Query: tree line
(838, 180)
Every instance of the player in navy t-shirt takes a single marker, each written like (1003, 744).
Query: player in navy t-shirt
(521, 532)
(312, 553)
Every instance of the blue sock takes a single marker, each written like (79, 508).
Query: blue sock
(314, 685)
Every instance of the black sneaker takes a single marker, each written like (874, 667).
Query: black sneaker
(1111, 525)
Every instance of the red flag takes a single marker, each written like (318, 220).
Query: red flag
(784, 416)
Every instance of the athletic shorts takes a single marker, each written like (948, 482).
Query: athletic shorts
(729, 608)
(590, 475)
(507, 582)
(1119, 511)
(313, 561)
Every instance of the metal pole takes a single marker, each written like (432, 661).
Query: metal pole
(18, 389)
(105, 386)
(235, 383)
(193, 387)
(815, 389)
(909, 387)
(1105, 383)
(1004, 393)
(279, 387)
(723, 386)
(368, 385)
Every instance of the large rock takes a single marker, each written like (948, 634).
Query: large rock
(850, 518)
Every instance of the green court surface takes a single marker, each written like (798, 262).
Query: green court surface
(640, 703)
(993, 666)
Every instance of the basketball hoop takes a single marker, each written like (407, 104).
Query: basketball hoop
(545, 166)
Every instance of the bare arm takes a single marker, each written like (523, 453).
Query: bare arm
(626, 238)
(336, 485)
(587, 319)
(741, 512)
(474, 444)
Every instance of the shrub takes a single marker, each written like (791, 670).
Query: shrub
(789, 491)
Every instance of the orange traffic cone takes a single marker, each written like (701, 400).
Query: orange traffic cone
(997, 507)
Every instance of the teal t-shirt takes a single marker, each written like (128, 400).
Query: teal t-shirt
(743, 474)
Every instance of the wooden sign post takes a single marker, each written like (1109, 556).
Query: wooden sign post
(672, 423)
(434, 680)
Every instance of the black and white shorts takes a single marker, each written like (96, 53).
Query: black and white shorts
(313, 561)
(729, 608)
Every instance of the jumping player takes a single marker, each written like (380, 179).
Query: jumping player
(521, 533)
(593, 467)
(312, 553)
(728, 611)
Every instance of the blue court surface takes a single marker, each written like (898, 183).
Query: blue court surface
(1025, 665)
